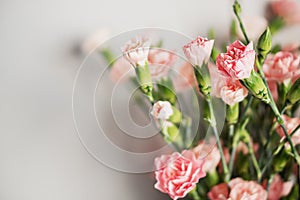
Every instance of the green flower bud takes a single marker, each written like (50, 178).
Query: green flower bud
(176, 117)
(171, 133)
(203, 79)
(237, 8)
(144, 79)
(165, 90)
(293, 96)
(232, 113)
(264, 44)
(257, 87)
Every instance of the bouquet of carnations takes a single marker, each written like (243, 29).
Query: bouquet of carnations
(256, 154)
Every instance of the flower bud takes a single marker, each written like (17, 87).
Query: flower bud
(165, 90)
(144, 79)
(162, 110)
(176, 116)
(264, 44)
(293, 95)
(237, 8)
(232, 113)
(256, 86)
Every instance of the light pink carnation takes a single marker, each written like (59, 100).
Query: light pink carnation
(198, 51)
(136, 50)
(238, 61)
(290, 124)
(219, 192)
(278, 188)
(160, 62)
(185, 78)
(162, 110)
(178, 174)
(121, 70)
(223, 86)
(242, 190)
(281, 67)
(289, 10)
(211, 154)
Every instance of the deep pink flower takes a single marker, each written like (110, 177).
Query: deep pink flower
(238, 61)
(210, 153)
(278, 188)
(240, 190)
(177, 174)
(281, 67)
(160, 61)
(198, 51)
(219, 192)
(289, 10)
(290, 124)
(223, 86)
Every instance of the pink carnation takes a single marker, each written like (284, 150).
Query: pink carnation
(178, 174)
(162, 110)
(198, 51)
(160, 62)
(290, 124)
(223, 86)
(121, 70)
(289, 10)
(136, 50)
(240, 189)
(238, 61)
(219, 192)
(185, 78)
(278, 188)
(211, 154)
(281, 67)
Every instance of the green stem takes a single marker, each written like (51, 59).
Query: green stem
(194, 194)
(254, 160)
(237, 14)
(215, 131)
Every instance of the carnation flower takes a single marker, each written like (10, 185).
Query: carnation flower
(281, 67)
(178, 174)
(160, 61)
(219, 192)
(289, 10)
(223, 86)
(162, 110)
(240, 190)
(290, 124)
(136, 50)
(278, 188)
(238, 61)
(210, 153)
(198, 51)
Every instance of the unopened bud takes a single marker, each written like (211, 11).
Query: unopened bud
(293, 96)
(264, 44)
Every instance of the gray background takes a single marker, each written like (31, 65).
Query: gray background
(41, 156)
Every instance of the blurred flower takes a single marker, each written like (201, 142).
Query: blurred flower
(289, 10)
(198, 51)
(178, 174)
(94, 40)
(160, 61)
(238, 61)
(219, 192)
(254, 25)
(292, 47)
(121, 70)
(278, 188)
(185, 78)
(223, 86)
(273, 89)
(290, 124)
(281, 67)
(210, 153)
(162, 110)
(240, 189)
(136, 50)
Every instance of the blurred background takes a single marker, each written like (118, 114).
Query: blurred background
(41, 156)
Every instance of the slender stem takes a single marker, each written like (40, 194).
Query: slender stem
(254, 160)
(195, 194)
(248, 106)
(231, 130)
(241, 24)
(232, 158)
(215, 131)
